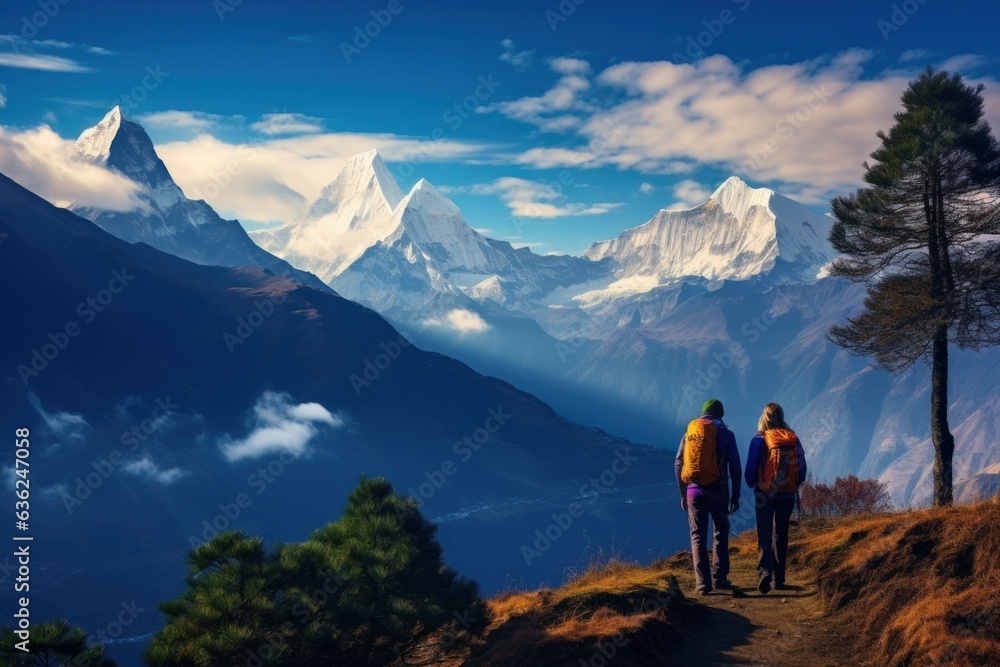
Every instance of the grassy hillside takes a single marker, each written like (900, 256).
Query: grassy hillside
(910, 588)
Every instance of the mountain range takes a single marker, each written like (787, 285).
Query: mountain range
(169, 359)
(729, 297)
(170, 400)
(165, 218)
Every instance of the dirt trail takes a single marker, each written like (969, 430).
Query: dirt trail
(743, 627)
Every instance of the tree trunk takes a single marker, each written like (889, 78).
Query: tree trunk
(944, 442)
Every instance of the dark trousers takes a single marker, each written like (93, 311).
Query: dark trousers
(701, 506)
(773, 515)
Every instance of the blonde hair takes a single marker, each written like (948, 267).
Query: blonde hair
(772, 417)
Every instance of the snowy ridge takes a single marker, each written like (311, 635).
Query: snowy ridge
(165, 218)
(351, 214)
(739, 233)
(436, 225)
(94, 143)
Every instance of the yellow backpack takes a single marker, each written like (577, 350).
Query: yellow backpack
(701, 458)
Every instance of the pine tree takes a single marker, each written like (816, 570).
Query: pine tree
(383, 569)
(53, 644)
(229, 614)
(364, 590)
(918, 235)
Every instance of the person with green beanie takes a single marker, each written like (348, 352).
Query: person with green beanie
(707, 469)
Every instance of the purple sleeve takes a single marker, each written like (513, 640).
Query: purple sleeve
(678, 464)
(734, 465)
(801, 453)
(753, 461)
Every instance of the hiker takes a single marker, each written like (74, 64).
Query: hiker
(776, 467)
(707, 461)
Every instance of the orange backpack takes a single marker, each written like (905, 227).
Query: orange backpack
(701, 460)
(780, 465)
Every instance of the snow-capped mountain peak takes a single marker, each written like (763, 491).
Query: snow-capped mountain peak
(354, 211)
(741, 232)
(364, 176)
(430, 218)
(167, 220)
(94, 144)
(123, 145)
(737, 197)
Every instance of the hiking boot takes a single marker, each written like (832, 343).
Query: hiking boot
(702, 592)
(764, 582)
(782, 587)
(723, 585)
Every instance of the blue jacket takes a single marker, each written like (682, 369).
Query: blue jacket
(729, 461)
(755, 460)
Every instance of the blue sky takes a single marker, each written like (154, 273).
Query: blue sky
(582, 119)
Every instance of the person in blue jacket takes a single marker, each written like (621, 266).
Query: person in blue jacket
(713, 500)
(776, 467)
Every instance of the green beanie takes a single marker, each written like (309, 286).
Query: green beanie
(713, 406)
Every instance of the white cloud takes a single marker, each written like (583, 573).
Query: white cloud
(809, 124)
(274, 180)
(45, 63)
(646, 188)
(150, 471)
(485, 231)
(521, 60)
(279, 426)
(534, 199)
(287, 123)
(461, 320)
(570, 66)
(197, 121)
(3, 96)
(558, 108)
(914, 54)
(60, 423)
(45, 163)
(688, 194)
(962, 63)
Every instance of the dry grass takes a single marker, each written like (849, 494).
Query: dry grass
(910, 588)
(921, 587)
(619, 610)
